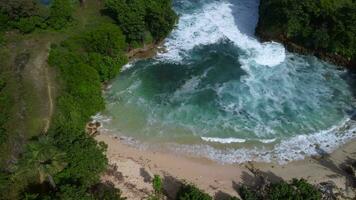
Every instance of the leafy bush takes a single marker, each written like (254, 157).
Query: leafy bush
(16, 9)
(190, 192)
(60, 13)
(107, 67)
(4, 21)
(157, 184)
(29, 24)
(248, 194)
(160, 18)
(5, 106)
(71, 192)
(106, 40)
(295, 190)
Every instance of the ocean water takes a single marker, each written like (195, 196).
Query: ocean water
(220, 93)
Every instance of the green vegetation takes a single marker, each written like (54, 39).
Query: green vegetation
(65, 163)
(5, 101)
(27, 15)
(140, 20)
(325, 26)
(190, 192)
(157, 184)
(60, 14)
(295, 190)
(157, 187)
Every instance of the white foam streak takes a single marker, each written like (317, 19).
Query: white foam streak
(223, 140)
(295, 148)
(127, 66)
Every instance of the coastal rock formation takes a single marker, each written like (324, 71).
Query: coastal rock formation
(92, 128)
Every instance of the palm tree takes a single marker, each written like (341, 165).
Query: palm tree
(42, 160)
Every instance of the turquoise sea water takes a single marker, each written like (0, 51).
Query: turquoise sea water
(219, 92)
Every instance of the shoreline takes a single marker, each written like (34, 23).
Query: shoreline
(138, 166)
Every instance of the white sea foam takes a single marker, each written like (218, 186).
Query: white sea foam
(223, 140)
(101, 118)
(214, 22)
(127, 66)
(295, 148)
(235, 140)
(267, 141)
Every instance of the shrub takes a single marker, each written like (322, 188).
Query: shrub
(60, 14)
(4, 20)
(109, 67)
(247, 193)
(190, 192)
(296, 190)
(160, 19)
(157, 184)
(16, 9)
(106, 39)
(29, 24)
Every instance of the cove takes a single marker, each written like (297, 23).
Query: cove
(220, 93)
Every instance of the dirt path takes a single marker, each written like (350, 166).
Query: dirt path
(41, 76)
(50, 93)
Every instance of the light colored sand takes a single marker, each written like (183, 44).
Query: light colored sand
(137, 166)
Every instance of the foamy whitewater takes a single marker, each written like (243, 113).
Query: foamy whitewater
(218, 92)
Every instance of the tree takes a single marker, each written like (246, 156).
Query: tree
(106, 39)
(160, 18)
(60, 14)
(135, 17)
(42, 160)
(29, 24)
(16, 9)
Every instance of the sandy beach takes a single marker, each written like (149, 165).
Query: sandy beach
(135, 169)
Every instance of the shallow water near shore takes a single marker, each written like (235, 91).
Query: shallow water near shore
(218, 92)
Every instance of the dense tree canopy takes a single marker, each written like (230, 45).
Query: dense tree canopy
(140, 18)
(27, 15)
(325, 25)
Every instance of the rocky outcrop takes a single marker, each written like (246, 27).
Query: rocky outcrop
(92, 128)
